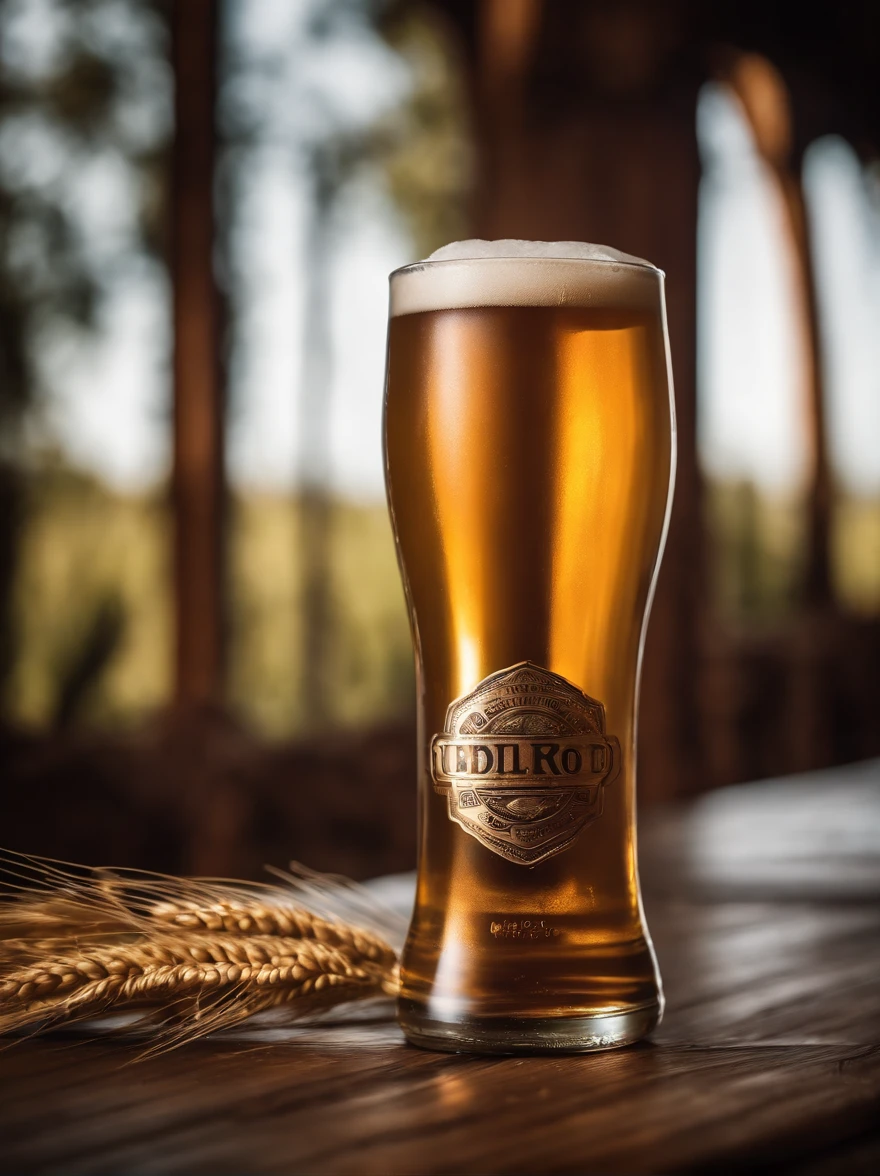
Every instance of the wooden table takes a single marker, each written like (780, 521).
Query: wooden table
(763, 901)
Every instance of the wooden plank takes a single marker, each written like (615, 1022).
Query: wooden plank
(810, 837)
(770, 1041)
(769, 1055)
(399, 1110)
(759, 973)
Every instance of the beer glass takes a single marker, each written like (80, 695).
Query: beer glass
(529, 455)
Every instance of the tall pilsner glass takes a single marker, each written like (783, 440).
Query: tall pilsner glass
(530, 448)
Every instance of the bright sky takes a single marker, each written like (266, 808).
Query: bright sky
(109, 408)
(751, 421)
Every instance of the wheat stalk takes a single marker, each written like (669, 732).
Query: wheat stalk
(247, 975)
(197, 955)
(228, 958)
(241, 917)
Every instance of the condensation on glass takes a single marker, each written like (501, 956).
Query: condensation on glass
(529, 438)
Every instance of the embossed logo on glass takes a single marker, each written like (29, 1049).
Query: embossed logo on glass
(523, 762)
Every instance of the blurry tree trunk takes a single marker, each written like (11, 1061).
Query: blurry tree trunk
(198, 476)
(315, 521)
(11, 507)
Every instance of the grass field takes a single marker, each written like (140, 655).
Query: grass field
(92, 603)
(93, 620)
(367, 642)
(757, 548)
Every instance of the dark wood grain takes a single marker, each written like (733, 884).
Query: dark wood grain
(763, 903)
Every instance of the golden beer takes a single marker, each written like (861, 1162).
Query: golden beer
(529, 460)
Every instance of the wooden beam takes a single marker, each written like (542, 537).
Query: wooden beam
(198, 473)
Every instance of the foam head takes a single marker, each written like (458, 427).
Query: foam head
(524, 273)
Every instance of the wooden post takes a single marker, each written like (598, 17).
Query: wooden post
(614, 160)
(198, 474)
(766, 102)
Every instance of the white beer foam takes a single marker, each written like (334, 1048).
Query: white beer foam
(524, 273)
(476, 250)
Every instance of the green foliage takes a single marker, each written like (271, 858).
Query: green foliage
(90, 604)
(368, 650)
(425, 146)
(757, 552)
(855, 553)
(79, 101)
(92, 611)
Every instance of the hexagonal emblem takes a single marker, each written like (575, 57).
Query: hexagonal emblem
(523, 762)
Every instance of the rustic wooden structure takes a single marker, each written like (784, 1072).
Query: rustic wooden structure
(583, 113)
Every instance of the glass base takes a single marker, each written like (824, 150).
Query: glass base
(528, 1035)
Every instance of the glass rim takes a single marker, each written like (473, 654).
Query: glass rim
(427, 264)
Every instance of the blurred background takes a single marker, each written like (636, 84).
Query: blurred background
(205, 662)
